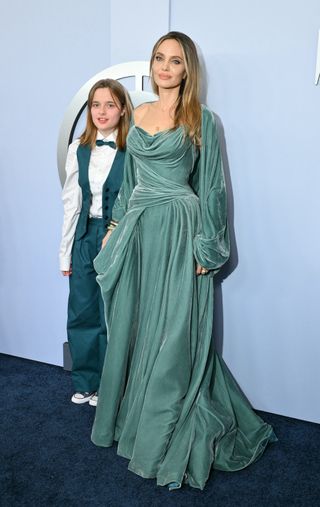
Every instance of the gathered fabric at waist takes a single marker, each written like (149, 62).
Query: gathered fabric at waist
(146, 196)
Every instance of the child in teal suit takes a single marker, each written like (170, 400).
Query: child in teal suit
(94, 170)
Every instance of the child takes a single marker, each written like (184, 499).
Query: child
(94, 170)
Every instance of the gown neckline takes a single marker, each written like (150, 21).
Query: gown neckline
(156, 133)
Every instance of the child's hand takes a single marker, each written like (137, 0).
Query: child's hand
(67, 273)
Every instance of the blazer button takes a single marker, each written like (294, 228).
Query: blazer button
(107, 189)
(106, 207)
(107, 198)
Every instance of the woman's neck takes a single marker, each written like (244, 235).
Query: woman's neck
(168, 99)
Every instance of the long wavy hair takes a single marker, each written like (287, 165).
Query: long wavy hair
(188, 107)
(122, 100)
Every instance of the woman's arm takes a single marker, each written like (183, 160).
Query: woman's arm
(211, 244)
(129, 182)
(121, 204)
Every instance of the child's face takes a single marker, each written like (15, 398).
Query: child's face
(105, 112)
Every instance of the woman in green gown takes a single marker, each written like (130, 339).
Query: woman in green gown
(165, 395)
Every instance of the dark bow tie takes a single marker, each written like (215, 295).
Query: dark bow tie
(112, 144)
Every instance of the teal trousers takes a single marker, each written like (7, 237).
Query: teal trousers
(87, 333)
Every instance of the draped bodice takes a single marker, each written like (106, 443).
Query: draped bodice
(163, 165)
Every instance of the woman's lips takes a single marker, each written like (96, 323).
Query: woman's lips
(164, 76)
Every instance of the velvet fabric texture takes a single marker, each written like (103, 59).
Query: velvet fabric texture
(165, 395)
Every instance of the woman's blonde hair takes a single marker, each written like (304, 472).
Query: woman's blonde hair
(122, 100)
(188, 108)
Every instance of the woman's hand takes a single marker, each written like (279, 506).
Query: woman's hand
(201, 271)
(105, 239)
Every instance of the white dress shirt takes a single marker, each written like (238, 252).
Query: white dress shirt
(101, 161)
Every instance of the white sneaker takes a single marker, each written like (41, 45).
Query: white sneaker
(93, 400)
(80, 398)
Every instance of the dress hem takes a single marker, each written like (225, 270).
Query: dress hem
(171, 477)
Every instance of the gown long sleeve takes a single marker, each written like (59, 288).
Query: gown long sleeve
(211, 243)
(129, 182)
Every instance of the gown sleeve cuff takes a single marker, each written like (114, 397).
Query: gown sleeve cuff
(211, 253)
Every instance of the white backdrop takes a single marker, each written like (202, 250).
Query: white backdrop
(260, 63)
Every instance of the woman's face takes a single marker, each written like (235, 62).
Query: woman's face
(105, 112)
(168, 67)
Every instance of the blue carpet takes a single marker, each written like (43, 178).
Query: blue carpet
(47, 457)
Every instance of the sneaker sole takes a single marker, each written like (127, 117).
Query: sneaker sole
(80, 401)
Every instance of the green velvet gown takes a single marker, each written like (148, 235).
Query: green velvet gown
(165, 395)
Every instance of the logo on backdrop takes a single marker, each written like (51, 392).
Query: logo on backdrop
(137, 70)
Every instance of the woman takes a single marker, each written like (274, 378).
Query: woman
(94, 170)
(165, 395)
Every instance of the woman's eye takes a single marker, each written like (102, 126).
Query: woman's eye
(158, 58)
(111, 106)
(176, 62)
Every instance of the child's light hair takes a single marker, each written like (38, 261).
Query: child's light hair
(122, 100)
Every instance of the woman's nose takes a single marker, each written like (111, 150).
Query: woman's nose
(165, 65)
